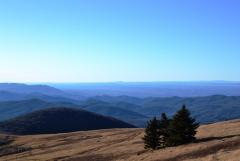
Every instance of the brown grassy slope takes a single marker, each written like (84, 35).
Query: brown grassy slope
(220, 141)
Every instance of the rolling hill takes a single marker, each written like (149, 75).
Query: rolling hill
(12, 109)
(216, 142)
(116, 110)
(59, 120)
(207, 109)
(27, 89)
(133, 110)
(10, 96)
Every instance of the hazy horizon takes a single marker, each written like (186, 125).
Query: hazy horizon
(133, 89)
(109, 82)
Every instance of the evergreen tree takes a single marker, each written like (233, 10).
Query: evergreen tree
(163, 130)
(182, 128)
(151, 137)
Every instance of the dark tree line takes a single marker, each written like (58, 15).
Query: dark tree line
(181, 129)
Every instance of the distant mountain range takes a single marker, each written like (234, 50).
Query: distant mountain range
(59, 120)
(134, 89)
(153, 89)
(17, 91)
(206, 109)
(134, 110)
(27, 89)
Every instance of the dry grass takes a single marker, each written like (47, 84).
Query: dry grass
(220, 141)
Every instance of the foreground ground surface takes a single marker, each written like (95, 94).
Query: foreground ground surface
(216, 142)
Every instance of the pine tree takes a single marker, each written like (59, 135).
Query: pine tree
(182, 128)
(151, 137)
(163, 130)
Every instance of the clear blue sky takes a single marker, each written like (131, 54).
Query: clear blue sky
(124, 40)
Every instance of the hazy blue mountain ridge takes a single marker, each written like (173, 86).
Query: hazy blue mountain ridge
(59, 120)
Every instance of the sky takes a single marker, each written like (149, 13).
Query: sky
(124, 40)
